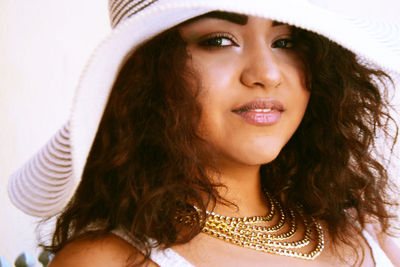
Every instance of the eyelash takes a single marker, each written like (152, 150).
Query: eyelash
(207, 42)
(288, 43)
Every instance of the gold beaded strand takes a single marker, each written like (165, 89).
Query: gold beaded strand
(247, 231)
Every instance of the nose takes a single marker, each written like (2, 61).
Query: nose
(261, 68)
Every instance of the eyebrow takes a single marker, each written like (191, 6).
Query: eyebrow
(277, 23)
(231, 17)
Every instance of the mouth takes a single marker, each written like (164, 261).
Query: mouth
(261, 112)
(261, 105)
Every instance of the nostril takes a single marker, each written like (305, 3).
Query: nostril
(259, 84)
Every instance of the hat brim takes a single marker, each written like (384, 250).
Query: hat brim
(376, 44)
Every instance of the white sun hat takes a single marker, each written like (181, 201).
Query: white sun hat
(44, 185)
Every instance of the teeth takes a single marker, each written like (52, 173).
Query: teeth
(262, 110)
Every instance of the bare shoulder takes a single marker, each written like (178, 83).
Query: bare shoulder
(109, 250)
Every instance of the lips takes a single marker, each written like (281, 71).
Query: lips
(261, 112)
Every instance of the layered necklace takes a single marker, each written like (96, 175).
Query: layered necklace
(259, 233)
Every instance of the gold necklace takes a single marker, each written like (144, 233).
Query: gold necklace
(247, 231)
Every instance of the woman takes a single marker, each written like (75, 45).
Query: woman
(227, 139)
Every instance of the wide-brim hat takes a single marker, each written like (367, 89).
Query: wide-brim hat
(44, 185)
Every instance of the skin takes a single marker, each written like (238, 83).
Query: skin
(238, 64)
(250, 61)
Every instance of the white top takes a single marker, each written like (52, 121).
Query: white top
(380, 257)
(164, 258)
(169, 258)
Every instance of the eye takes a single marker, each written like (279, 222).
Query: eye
(284, 43)
(219, 40)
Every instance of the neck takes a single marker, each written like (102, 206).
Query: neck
(242, 188)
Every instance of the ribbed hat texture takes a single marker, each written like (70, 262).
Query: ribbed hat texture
(47, 181)
(42, 183)
(121, 9)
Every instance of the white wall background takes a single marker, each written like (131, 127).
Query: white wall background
(44, 45)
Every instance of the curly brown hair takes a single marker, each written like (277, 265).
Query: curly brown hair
(147, 160)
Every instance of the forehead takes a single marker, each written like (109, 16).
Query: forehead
(236, 18)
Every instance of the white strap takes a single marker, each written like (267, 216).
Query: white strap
(169, 258)
(380, 257)
(164, 258)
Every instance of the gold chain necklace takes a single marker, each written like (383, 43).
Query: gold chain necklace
(247, 231)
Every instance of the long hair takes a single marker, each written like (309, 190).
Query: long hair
(148, 162)
(333, 165)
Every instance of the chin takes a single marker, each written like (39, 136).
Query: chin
(269, 152)
(268, 159)
(257, 158)
(253, 153)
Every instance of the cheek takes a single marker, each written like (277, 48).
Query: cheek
(217, 86)
(212, 120)
(298, 102)
(296, 93)
(215, 71)
(300, 97)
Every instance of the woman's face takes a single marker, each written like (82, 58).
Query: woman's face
(253, 93)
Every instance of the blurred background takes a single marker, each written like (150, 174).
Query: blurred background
(44, 45)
